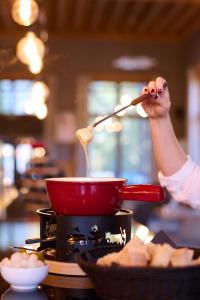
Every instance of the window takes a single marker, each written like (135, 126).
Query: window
(12, 158)
(23, 156)
(122, 147)
(13, 96)
(7, 161)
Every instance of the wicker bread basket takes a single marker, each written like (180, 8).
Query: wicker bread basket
(140, 283)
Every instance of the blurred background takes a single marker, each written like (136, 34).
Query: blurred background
(63, 65)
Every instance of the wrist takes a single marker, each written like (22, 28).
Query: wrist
(160, 119)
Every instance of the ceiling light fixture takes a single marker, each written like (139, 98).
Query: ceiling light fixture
(25, 12)
(131, 63)
(30, 50)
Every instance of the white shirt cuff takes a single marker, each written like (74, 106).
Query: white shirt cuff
(178, 176)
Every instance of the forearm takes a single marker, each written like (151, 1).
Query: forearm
(168, 153)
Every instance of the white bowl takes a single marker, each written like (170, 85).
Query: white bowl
(24, 278)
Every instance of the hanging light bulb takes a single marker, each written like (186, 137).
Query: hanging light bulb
(30, 47)
(41, 111)
(35, 65)
(25, 12)
(29, 107)
(36, 103)
(39, 90)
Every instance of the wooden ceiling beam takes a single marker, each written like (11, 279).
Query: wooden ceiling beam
(98, 15)
(81, 9)
(186, 18)
(168, 17)
(50, 15)
(111, 19)
(163, 1)
(154, 12)
(99, 35)
(134, 17)
(193, 26)
(115, 36)
(116, 15)
(63, 13)
(5, 14)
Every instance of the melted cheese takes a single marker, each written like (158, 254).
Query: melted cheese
(84, 135)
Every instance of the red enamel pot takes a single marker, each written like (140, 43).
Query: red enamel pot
(84, 196)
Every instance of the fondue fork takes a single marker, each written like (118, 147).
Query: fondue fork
(24, 248)
(132, 103)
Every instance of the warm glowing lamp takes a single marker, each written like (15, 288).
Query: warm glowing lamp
(25, 12)
(30, 47)
(39, 90)
(29, 108)
(41, 111)
(35, 65)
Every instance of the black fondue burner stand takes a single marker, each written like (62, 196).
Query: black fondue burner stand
(63, 236)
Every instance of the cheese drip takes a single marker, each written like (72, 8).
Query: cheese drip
(84, 135)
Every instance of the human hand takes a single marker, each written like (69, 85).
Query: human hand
(159, 105)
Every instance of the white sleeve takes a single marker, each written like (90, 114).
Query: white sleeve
(184, 185)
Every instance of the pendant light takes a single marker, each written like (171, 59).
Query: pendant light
(25, 12)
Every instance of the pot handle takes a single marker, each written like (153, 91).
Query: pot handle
(142, 192)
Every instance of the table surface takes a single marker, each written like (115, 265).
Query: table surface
(51, 291)
(55, 286)
(54, 292)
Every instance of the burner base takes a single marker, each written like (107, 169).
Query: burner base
(76, 233)
(64, 268)
(68, 282)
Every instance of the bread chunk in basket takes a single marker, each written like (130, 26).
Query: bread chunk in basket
(143, 271)
(137, 254)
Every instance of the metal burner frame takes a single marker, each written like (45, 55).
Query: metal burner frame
(70, 234)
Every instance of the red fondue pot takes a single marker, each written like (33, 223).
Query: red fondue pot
(84, 196)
